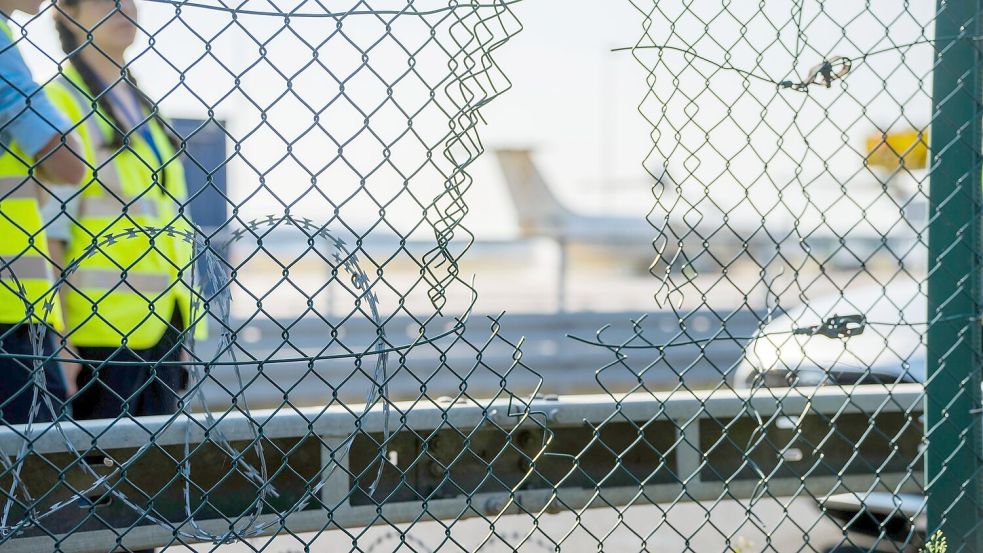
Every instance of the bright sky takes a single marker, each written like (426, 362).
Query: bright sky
(573, 100)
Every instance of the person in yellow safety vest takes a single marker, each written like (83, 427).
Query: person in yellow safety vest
(127, 303)
(33, 143)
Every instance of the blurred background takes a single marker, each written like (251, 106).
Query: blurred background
(668, 196)
(758, 201)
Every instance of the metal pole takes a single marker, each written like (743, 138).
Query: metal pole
(953, 457)
(562, 268)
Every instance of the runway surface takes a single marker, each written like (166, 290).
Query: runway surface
(515, 355)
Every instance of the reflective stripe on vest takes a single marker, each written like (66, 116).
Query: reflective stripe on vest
(111, 202)
(113, 279)
(25, 267)
(16, 188)
(26, 292)
(120, 287)
(106, 206)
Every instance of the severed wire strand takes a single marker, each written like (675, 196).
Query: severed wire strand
(825, 73)
(239, 10)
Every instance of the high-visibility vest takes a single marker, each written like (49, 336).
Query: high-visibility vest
(123, 292)
(26, 275)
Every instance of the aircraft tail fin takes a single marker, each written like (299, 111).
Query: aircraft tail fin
(538, 209)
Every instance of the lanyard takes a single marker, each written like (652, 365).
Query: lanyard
(138, 124)
(142, 129)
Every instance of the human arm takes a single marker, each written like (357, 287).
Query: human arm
(29, 119)
(58, 161)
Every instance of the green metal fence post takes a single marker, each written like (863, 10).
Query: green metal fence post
(953, 458)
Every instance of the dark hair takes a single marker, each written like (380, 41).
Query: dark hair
(71, 46)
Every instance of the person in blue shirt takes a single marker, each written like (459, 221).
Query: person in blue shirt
(33, 146)
(27, 117)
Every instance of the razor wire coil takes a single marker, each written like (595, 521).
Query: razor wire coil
(214, 271)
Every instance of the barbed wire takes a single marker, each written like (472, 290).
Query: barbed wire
(220, 302)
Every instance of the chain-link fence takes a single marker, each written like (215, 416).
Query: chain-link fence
(249, 329)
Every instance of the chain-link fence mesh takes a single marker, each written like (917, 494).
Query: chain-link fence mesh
(294, 360)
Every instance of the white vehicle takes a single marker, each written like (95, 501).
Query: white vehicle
(867, 335)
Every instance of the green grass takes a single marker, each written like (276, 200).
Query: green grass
(936, 544)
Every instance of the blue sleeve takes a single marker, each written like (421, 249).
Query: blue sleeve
(27, 116)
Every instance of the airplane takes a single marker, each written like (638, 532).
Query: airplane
(684, 232)
(696, 234)
(540, 214)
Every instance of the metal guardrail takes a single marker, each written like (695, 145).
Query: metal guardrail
(555, 454)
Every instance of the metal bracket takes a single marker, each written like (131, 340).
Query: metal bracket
(837, 326)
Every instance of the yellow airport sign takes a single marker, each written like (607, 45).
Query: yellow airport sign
(894, 150)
